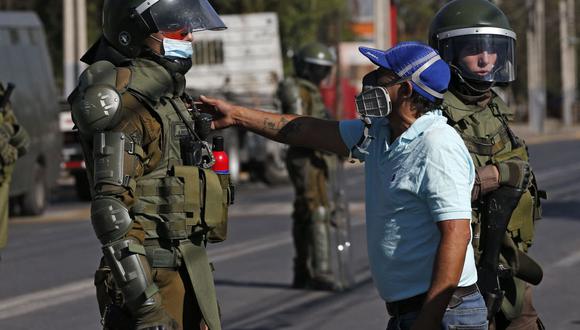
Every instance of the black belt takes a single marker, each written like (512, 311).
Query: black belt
(415, 303)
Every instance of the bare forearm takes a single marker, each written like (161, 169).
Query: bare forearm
(266, 124)
(292, 129)
(447, 270)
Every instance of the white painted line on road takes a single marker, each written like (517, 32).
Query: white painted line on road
(258, 245)
(569, 261)
(560, 171)
(35, 301)
(277, 208)
(564, 192)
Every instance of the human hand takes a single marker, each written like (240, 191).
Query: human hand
(223, 112)
(514, 173)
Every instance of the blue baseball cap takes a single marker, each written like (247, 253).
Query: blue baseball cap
(428, 73)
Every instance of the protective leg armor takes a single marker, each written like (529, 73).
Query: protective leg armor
(321, 241)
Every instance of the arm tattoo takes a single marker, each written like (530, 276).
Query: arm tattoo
(275, 126)
(284, 129)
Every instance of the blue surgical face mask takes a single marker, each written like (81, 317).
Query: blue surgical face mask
(177, 48)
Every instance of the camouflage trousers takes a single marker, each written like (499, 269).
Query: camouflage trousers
(311, 217)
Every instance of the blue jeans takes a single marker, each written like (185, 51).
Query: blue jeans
(471, 314)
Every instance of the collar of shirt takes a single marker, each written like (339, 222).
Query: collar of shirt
(422, 124)
(417, 128)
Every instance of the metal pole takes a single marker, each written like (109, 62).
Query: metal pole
(536, 65)
(69, 59)
(338, 77)
(81, 34)
(567, 49)
(382, 23)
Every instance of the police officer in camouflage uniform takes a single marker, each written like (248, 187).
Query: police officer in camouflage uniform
(155, 201)
(475, 38)
(14, 142)
(308, 170)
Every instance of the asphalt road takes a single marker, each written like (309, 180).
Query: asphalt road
(46, 270)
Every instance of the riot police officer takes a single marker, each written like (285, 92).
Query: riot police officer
(308, 170)
(475, 38)
(155, 201)
(14, 142)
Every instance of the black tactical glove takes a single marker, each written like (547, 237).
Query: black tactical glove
(8, 153)
(514, 173)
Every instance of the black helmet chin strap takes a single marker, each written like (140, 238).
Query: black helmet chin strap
(471, 86)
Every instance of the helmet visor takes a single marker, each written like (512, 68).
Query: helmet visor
(481, 57)
(185, 15)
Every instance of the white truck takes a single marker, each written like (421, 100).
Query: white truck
(243, 64)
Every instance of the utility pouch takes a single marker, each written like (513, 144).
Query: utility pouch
(215, 201)
(521, 225)
(192, 192)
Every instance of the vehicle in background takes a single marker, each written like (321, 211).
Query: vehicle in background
(243, 64)
(25, 61)
(73, 163)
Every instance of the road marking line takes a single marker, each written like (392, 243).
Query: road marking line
(35, 301)
(81, 214)
(259, 209)
(289, 304)
(278, 208)
(31, 302)
(548, 175)
(566, 192)
(569, 261)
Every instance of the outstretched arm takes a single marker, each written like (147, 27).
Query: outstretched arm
(294, 130)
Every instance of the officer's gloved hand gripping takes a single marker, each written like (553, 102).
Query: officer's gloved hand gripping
(117, 160)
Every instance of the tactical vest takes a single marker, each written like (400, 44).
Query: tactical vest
(489, 140)
(173, 201)
(301, 97)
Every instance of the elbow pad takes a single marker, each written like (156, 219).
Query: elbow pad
(110, 219)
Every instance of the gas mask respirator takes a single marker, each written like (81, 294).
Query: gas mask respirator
(374, 101)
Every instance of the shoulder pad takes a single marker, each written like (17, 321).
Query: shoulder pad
(96, 103)
(289, 95)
